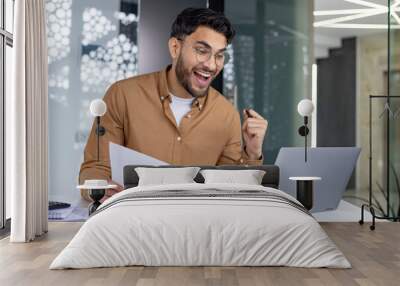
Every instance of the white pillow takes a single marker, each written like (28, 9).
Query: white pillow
(248, 177)
(162, 176)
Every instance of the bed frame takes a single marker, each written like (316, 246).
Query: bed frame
(270, 179)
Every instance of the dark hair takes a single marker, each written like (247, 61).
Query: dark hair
(191, 18)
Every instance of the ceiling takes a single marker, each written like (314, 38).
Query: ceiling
(361, 9)
(338, 19)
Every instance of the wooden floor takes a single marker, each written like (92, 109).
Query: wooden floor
(375, 257)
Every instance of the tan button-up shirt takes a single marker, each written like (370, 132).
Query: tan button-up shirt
(139, 117)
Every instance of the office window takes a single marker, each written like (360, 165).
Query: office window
(91, 44)
(6, 66)
(270, 68)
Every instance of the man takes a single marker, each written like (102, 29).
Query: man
(174, 115)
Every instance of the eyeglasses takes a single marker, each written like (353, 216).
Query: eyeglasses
(204, 54)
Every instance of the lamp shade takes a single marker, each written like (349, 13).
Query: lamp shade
(305, 107)
(98, 107)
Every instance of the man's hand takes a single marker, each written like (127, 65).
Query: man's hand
(110, 192)
(254, 129)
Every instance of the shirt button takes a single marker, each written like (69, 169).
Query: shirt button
(189, 115)
(162, 97)
(179, 138)
(241, 160)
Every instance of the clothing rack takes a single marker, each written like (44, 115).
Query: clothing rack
(371, 208)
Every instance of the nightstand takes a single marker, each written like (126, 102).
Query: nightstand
(304, 190)
(97, 190)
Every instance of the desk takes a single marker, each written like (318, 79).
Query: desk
(78, 211)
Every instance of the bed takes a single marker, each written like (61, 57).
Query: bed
(201, 224)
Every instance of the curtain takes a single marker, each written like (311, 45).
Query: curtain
(26, 117)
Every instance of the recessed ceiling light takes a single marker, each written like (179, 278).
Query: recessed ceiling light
(369, 9)
(347, 18)
(366, 3)
(362, 26)
(342, 12)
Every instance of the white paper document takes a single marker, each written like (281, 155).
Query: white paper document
(121, 156)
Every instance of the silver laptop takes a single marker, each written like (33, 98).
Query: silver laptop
(334, 165)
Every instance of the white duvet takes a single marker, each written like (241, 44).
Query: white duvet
(200, 231)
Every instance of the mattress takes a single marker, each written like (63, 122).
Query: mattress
(201, 225)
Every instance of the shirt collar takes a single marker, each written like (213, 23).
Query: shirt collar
(165, 94)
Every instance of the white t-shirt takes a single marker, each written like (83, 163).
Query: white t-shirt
(180, 107)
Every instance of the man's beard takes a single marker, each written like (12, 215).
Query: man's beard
(183, 75)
